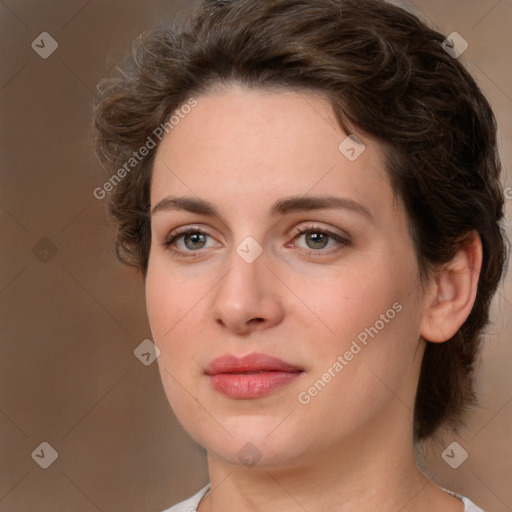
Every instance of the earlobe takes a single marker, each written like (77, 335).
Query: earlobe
(452, 292)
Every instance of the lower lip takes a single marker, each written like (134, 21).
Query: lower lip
(246, 386)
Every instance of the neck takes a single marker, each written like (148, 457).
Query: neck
(373, 470)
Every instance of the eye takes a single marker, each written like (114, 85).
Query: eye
(320, 240)
(190, 240)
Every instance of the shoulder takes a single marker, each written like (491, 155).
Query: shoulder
(469, 506)
(191, 504)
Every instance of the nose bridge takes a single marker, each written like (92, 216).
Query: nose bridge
(246, 263)
(245, 292)
(242, 281)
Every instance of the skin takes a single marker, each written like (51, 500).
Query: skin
(350, 448)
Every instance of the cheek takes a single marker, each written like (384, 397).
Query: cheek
(173, 310)
(348, 301)
(159, 303)
(170, 309)
(169, 297)
(377, 363)
(176, 303)
(371, 314)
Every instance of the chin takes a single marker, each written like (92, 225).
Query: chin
(252, 441)
(256, 453)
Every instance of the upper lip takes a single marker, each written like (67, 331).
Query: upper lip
(251, 363)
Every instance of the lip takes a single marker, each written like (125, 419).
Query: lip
(251, 376)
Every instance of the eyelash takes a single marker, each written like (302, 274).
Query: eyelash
(342, 242)
(173, 238)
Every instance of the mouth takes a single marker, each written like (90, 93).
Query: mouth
(252, 376)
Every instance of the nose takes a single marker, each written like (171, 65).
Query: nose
(248, 297)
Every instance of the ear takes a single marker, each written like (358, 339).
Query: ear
(452, 292)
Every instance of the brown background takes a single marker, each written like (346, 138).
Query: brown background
(69, 325)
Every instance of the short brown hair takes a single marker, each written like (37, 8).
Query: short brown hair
(384, 72)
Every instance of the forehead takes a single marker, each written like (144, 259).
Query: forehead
(255, 145)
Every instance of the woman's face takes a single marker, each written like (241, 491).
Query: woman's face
(297, 343)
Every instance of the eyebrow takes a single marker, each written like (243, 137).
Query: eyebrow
(280, 207)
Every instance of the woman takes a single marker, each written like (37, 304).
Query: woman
(311, 191)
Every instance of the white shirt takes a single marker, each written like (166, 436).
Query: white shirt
(192, 503)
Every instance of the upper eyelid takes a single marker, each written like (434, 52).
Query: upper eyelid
(293, 218)
(296, 230)
(188, 228)
(337, 233)
(312, 225)
(315, 226)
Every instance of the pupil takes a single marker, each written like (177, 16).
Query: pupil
(197, 240)
(316, 240)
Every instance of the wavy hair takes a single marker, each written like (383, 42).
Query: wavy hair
(384, 72)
